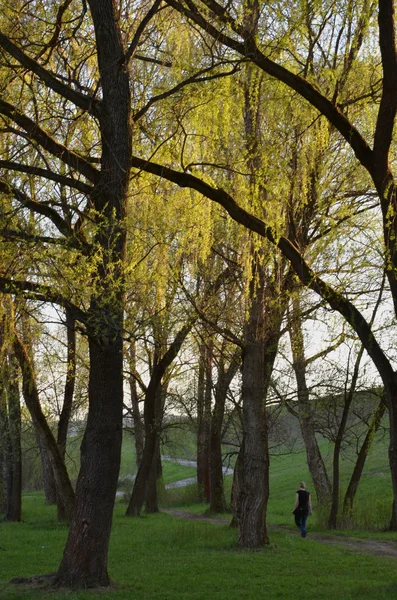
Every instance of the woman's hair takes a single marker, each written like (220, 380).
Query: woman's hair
(302, 485)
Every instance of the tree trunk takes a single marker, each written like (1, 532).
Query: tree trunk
(217, 498)
(392, 405)
(32, 401)
(14, 487)
(151, 498)
(136, 415)
(64, 419)
(236, 487)
(348, 501)
(156, 473)
(152, 400)
(84, 561)
(49, 485)
(254, 486)
(85, 557)
(204, 394)
(315, 461)
(152, 416)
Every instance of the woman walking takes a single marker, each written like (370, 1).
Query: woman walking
(303, 508)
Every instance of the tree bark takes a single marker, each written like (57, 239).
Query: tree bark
(355, 478)
(49, 484)
(204, 394)
(152, 411)
(85, 558)
(64, 419)
(151, 498)
(315, 461)
(225, 377)
(84, 562)
(392, 405)
(152, 405)
(32, 401)
(136, 415)
(14, 489)
(254, 486)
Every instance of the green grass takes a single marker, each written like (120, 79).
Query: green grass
(163, 558)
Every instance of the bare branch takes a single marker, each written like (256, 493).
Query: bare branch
(42, 293)
(87, 103)
(141, 28)
(62, 179)
(48, 143)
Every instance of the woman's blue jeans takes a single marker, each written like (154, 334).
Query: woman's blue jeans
(300, 520)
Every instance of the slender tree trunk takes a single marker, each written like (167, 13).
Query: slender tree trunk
(64, 418)
(152, 411)
(315, 461)
(392, 405)
(13, 440)
(236, 487)
(156, 473)
(152, 398)
(204, 395)
(32, 401)
(217, 494)
(217, 499)
(348, 501)
(136, 415)
(151, 499)
(49, 485)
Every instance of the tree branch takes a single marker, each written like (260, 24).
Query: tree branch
(42, 293)
(306, 275)
(140, 29)
(62, 179)
(189, 81)
(87, 103)
(388, 103)
(249, 50)
(48, 143)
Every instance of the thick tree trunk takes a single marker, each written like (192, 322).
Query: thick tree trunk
(85, 557)
(254, 486)
(84, 561)
(204, 394)
(14, 488)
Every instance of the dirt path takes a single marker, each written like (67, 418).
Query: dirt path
(376, 547)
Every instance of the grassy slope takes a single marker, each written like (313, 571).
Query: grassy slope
(163, 558)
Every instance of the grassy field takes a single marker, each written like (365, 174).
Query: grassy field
(161, 557)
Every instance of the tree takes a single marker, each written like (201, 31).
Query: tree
(10, 415)
(330, 96)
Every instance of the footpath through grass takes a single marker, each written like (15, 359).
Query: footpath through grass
(161, 557)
